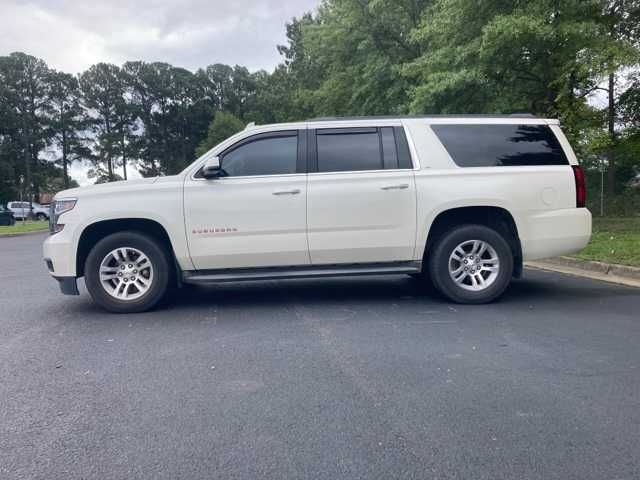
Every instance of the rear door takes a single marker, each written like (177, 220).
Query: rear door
(361, 201)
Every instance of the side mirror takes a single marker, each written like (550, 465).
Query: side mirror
(211, 167)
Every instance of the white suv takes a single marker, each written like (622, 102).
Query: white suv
(462, 201)
(22, 210)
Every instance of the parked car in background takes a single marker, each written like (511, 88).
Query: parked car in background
(462, 201)
(21, 210)
(6, 217)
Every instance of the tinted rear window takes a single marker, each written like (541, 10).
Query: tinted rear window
(501, 145)
(349, 150)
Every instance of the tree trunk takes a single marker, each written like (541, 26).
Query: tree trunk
(27, 156)
(611, 120)
(34, 186)
(109, 164)
(65, 169)
(124, 156)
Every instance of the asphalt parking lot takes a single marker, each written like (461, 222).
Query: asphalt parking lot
(333, 378)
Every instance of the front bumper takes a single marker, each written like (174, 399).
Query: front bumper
(59, 252)
(59, 256)
(68, 285)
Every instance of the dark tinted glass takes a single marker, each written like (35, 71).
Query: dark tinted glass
(404, 157)
(346, 152)
(389, 150)
(501, 145)
(266, 156)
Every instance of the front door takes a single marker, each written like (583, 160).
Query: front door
(361, 204)
(255, 214)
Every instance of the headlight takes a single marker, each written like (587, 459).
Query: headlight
(58, 207)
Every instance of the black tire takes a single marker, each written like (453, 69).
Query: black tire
(158, 258)
(41, 217)
(438, 264)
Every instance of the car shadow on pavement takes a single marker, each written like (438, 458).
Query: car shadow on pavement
(535, 287)
(334, 290)
(388, 289)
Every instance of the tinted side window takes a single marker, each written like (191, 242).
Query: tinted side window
(501, 145)
(389, 151)
(264, 156)
(404, 157)
(349, 149)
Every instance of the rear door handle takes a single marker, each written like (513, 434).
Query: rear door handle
(287, 192)
(402, 186)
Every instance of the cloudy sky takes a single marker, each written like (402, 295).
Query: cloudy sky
(72, 35)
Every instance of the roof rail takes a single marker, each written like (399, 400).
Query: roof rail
(383, 117)
(250, 125)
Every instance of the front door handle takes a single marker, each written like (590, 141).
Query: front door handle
(402, 186)
(287, 192)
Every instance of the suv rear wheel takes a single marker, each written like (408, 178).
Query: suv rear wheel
(127, 272)
(471, 264)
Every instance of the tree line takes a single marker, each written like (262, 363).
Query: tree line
(576, 60)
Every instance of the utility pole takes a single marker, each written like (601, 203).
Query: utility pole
(24, 218)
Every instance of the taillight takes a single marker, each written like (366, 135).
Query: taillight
(581, 187)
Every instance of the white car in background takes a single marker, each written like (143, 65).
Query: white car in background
(21, 210)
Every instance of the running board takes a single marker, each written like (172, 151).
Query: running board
(283, 273)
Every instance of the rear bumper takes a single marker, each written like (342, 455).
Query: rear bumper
(558, 232)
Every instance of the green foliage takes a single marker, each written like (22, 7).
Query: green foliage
(223, 126)
(614, 240)
(23, 227)
(630, 106)
(577, 60)
(23, 135)
(173, 113)
(347, 59)
(67, 122)
(624, 204)
(103, 90)
(504, 57)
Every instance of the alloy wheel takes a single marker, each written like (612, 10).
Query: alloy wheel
(126, 273)
(474, 265)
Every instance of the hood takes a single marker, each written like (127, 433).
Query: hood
(121, 186)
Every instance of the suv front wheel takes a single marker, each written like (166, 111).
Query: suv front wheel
(471, 264)
(127, 272)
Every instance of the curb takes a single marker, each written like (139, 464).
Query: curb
(608, 272)
(22, 234)
(601, 267)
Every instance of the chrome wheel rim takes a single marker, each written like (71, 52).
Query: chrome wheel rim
(126, 273)
(474, 265)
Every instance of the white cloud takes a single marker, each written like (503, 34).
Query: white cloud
(78, 171)
(72, 35)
